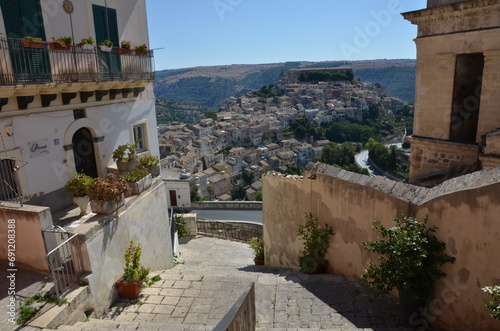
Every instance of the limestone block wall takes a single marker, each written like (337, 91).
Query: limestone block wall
(146, 222)
(465, 209)
(27, 240)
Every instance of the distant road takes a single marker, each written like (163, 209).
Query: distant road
(230, 215)
(362, 160)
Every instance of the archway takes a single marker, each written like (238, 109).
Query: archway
(83, 151)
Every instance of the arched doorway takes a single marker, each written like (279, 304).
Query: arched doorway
(83, 151)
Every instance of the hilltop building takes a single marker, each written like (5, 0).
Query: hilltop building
(457, 90)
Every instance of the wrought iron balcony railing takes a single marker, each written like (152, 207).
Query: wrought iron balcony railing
(23, 63)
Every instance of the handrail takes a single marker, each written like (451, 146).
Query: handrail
(241, 317)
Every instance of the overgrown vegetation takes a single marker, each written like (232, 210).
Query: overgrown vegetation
(27, 311)
(387, 158)
(494, 303)
(322, 76)
(267, 91)
(342, 156)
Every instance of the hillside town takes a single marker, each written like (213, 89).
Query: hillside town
(222, 158)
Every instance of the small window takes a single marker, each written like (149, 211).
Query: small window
(79, 113)
(140, 137)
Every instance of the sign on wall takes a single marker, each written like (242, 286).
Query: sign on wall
(39, 147)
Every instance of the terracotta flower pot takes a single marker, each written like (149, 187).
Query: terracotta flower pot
(33, 44)
(124, 51)
(128, 290)
(58, 47)
(258, 262)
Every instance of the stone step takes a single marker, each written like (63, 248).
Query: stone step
(78, 301)
(102, 325)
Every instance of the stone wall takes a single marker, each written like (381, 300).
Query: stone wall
(146, 222)
(257, 205)
(465, 209)
(28, 243)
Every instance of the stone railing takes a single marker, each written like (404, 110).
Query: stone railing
(241, 317)
(253, 205)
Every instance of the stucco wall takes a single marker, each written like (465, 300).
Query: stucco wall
(145, 222)
(29, 221)
(465, 209)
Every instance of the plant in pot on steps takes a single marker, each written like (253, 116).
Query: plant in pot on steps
(134, 274)
(138, 180)
(150, 163)
(409, 260)
(79, 186)
(316, 243)
(108, 194)
(125, 157)
(257, 246)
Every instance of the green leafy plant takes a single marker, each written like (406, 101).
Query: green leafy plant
(133, 270)
(316, 243)
(25, 314)
(257, 246)
(63, 41)
(494, 304)
(28, 38)
(410, 255)
(141, 48)
(147, 161)
(85, 41)
(181, 226)
(121, 150)
(109, 188)
(125, 44)
(107, 43)
(79, 184)
(135, 175)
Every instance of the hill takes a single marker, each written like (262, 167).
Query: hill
(170, 111)
(209, 86)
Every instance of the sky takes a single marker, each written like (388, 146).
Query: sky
(190, 33)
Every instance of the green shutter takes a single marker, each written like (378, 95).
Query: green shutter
(23, 18)
(110, 62)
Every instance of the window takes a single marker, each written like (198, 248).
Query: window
(466, 97)
(140, 137)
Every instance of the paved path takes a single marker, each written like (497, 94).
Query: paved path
(197, 294)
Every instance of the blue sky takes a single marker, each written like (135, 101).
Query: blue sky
(221, 32)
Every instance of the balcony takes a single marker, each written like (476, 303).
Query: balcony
(27, 70)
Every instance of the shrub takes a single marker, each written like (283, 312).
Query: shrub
(135, 175)
(494, 305)
(133, 270)
(119, 153)
(181, 226)
(409, 258)
(316, 243)
(79, 184)
(258, 248)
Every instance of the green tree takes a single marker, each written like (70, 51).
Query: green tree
(211, 114)
(258, 196)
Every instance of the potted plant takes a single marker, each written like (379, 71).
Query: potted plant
(316, 243)
(409, 258)
(138, 180)
(134, 274)
(61, 43)
(87, 43)
(150, 163)
(125, 157)
(78, 186)
(258, 251)
(108, 194)
(106, 45)
(494, 303)
(141, 50)
(125, 47)
(33, 42)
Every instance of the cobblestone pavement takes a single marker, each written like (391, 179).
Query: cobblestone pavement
(197, 294)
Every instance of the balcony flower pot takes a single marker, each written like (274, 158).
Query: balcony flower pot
(87, 47)
(126, 166)
(105, 48)
(33, 44)
(140, 52)
(104, 207)
(257, 246)
(82, 203)
(138, 181)
(124, 51)
(59, 47)
(108, 194)
(154, 171)
(128, 290)
(150, 163)
(78, 186)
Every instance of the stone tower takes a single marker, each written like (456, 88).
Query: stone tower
(457, 102)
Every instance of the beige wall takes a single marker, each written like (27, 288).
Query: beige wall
(29, 246)
(465, 209)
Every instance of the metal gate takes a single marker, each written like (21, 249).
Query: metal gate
(64, 258)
